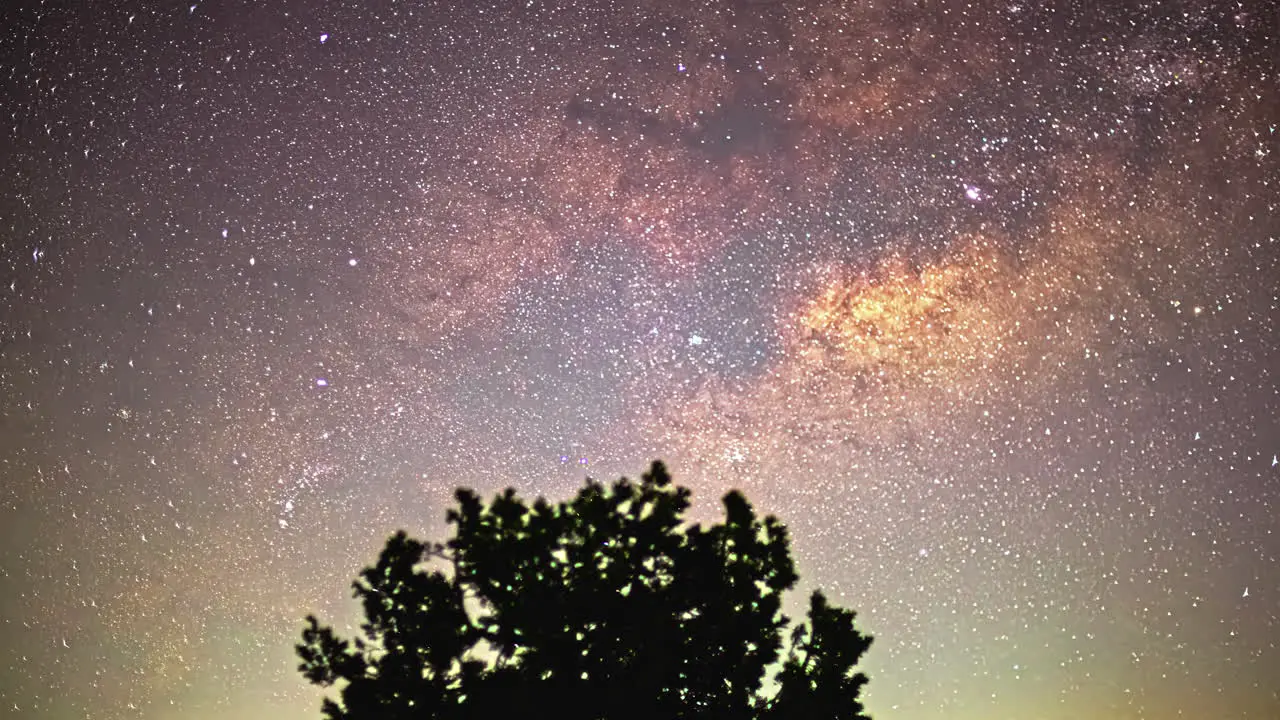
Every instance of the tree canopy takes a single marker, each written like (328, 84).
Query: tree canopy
(607, 607)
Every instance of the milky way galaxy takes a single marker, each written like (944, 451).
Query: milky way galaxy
(980, 298)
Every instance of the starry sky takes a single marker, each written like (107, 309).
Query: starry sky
(980, 298)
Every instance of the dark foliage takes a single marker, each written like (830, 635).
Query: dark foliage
(603, 608)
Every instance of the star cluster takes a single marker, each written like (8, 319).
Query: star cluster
(979, 298)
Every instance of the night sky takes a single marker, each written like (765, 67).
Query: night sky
(980, 298)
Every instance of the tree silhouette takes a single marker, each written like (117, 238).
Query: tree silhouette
(608, 607)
